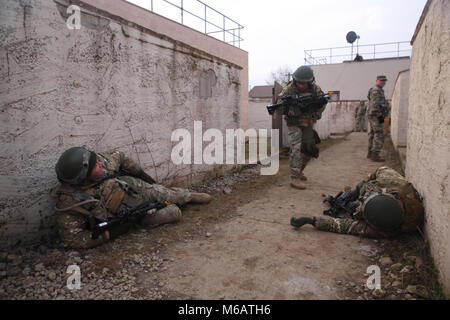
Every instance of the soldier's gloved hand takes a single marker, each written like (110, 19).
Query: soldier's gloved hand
(381, 119)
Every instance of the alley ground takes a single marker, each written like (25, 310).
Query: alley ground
(240, 246)
(258, 255)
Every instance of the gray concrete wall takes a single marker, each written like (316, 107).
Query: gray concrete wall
(354, 79)
(258, 117)
(112, 84)
(399, 110)
(428, 150)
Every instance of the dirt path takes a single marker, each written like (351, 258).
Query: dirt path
(258, 255)
(240, 246)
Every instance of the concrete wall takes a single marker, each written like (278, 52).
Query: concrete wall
(399, 110)
(258, 117)
(354, 79)
(111, 84)
(428, 150)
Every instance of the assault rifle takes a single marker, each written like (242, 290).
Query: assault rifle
(305, 104)
(128, 215)
(338, 203)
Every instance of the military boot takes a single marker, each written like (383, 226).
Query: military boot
(369, 154)
(169, 214)
(303, 177)
(377, 158)
(298, 222)
(297, 183)
(200, 197)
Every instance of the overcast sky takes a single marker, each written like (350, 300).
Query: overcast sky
(276, 33)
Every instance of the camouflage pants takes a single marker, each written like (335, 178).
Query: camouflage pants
(376, 135)
(359, 124)
(298, 159)
(346, 226)
(158, 192)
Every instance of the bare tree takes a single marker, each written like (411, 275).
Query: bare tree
(282, 75)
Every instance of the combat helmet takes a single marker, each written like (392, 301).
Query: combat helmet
(75, 165)
(304, 74)
(383, 211)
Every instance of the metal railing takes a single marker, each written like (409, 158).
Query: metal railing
(222, 28)
(370, 51)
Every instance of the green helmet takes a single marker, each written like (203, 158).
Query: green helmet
(304, 74)
(75, 165)
(383, 211)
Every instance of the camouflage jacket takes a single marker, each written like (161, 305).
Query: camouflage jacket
(111, 193)
(304, 120)
(378, 106)
(388, 180)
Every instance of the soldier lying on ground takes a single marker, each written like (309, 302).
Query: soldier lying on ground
(385, 204)
(107, 183)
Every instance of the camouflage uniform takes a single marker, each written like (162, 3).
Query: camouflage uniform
(297, 124)
(389, 180)
(113, 193)
(377, 111)
(360, 117)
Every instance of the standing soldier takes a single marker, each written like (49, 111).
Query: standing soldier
(360, 115)
(303, 137)
(96, 187)
(378, 110)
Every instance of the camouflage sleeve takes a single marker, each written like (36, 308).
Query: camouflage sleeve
(125, 163)
(133, 168)
(378, 102)
(284, 92)
(322, 109)
(73, 232)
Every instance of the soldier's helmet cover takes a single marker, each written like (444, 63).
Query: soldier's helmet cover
(383, 211)
(304, 74)
(75, 165)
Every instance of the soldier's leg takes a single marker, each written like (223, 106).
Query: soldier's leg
(304, 161)
(169, 214)
(295, 136)
(160, 193)
(371, 138)
(345, 226)
(378, 140)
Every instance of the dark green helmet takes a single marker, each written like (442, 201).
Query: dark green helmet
(75, 165)
(304, 74)
(383, 211)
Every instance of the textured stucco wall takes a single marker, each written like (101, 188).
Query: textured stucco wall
(428, 150)
(107, 85)
(399, 110)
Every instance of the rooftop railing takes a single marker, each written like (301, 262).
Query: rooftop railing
(197, 15)
(363, 52)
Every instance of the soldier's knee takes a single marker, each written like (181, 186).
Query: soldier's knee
(169, 214)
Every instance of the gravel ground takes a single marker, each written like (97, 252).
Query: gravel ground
(130, 266)
(112, 271)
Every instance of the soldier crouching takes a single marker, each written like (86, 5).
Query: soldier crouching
(385, 204)
(95, 187)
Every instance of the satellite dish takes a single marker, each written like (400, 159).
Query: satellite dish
(352, 36)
